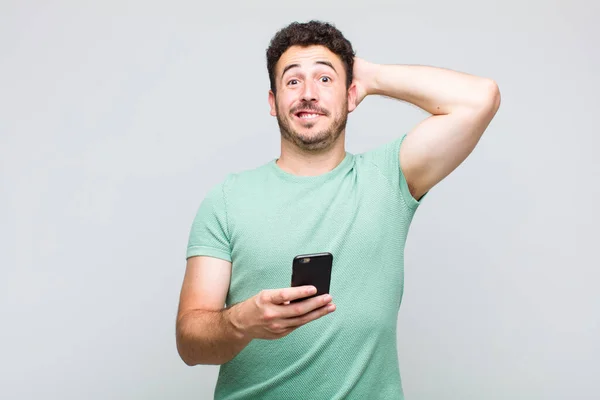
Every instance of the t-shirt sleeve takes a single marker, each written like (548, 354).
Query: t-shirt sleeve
(209, 235)
(387, 159)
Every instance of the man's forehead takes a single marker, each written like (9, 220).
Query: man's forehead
(307, 56)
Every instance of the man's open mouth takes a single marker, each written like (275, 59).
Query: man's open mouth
(307, 115)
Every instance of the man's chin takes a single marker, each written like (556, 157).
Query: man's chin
(313, 140)
(305, 125)
(317, 141)
(307, 136)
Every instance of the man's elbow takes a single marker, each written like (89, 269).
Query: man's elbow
(187, 361)
(183, 351)
(190, 356)
(184, 342)
(484, 108)
(491, 98)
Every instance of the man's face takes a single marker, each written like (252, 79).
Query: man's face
(312, 102)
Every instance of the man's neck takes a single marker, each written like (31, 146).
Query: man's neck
(302, 163)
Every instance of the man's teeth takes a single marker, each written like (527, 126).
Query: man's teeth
(306, 116)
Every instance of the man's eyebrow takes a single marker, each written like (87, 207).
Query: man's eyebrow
(330, 65)
(288, 67)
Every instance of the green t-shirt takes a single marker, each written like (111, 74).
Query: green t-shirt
(360, 212)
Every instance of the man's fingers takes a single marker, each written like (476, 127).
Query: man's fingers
(304, 306)
(285, 295)
(311, 316)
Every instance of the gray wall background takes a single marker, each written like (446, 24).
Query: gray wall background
(117, 117)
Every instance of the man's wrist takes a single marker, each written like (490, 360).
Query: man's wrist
(232, 318)
(374, 87)
(372, 84)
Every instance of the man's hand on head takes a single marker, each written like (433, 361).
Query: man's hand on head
(364, 78)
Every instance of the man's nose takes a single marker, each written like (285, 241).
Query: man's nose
(310, 91)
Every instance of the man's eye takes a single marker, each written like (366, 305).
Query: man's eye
(325, 79)
(293, 82)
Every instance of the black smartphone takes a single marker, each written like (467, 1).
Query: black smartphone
(312, 269)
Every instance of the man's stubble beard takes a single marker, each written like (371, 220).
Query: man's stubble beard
(315, 142)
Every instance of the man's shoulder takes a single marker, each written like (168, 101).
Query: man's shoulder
(244, 179)
(381, 150)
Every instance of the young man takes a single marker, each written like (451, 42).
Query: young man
(314, 198)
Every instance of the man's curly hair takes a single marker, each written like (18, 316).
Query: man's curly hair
(309, 34)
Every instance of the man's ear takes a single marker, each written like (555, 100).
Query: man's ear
(272, 103)
(352, 97)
